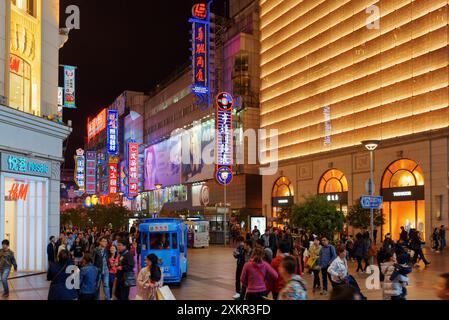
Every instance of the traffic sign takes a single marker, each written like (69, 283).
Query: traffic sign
(369, 202)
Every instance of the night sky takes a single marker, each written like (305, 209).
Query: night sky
(122, 45)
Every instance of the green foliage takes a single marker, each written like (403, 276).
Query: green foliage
(99, 216)
(316, 215)
(361, 218)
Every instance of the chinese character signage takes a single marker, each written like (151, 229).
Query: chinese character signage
(69, 87)
(96, 125)
(23, 165)
(327, 126)
(91, 172)
(133, 169)
(112, 132)
(224, 140)
(113, 178)
(80, 163)
(201, 54)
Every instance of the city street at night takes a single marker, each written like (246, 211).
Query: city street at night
(212, 272)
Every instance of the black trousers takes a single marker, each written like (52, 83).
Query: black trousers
(419, 254)
(122, 291)
(238, 284)
(359, 264)
(316, 279)
(324, 274)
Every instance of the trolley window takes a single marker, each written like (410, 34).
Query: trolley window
(161, 241)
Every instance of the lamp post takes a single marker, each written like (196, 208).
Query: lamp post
(371, 145)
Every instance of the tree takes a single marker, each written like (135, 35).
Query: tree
(99, 216)
(360, 218)
(317, 215)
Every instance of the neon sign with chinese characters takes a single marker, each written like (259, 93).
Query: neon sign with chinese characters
(112, 132)
(133, 169)
(91, 172)
(17, 164)
(224, 139)
(201, 54)
(80, 164)
(113, 178)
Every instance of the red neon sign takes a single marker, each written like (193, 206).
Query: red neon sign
(133, 169)
(113, 178)
(199, 11)
(18, 192)
(96, 125)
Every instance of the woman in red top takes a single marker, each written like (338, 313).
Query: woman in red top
(113, 262)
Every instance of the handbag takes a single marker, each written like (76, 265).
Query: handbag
(164, 293)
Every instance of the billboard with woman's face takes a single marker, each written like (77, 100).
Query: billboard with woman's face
(158, 168)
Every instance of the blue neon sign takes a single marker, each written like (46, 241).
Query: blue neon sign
(112, 134)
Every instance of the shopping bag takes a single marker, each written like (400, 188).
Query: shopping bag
(164, 293)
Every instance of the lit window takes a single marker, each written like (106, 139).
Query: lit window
(20, 84)
(29, 6)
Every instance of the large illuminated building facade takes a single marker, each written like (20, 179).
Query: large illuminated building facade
(335, 73)
(31, 146)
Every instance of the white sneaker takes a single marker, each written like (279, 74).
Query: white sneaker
(236, 296)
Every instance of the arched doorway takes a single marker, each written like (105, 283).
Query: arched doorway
(404, 202)
(282, 199)
(334, 186)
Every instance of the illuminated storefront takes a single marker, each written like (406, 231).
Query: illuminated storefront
(24, 205)
(334, 186)
(404, 197)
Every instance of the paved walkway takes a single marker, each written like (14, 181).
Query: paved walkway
(211, 277)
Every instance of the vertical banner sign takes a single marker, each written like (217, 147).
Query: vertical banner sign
(69, 87)
(91, 172)
(113, 178)
(112, 132)
(201, 54)
(133, 169)
(327, 126)
(60, 96)
(224, 139)
(80, 162)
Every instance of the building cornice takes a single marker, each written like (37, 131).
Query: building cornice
(33, 123)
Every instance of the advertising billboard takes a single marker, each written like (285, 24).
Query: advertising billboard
(69, 87)
(158, 168)
(97, 124)
(112, 133)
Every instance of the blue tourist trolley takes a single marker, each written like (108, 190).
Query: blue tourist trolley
(167, 239)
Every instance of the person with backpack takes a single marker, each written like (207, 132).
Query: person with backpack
(327, 256)
(7, 262)
(255, 276)
(126, 277)
(295, 287)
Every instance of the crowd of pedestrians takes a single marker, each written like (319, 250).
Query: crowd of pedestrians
(107, 262)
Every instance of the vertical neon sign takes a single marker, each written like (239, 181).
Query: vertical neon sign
(112, 132)
(201, 54)
(80, 163)
(224, 139)
(133, 169)
(113, 178)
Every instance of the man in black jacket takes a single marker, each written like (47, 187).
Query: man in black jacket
(51, 251)
(100, 258)
(125, 268)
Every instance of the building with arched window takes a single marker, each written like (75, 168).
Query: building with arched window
(31, 146)
(332, 77)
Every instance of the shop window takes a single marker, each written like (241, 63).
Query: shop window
(20, 84)
(403, 173)
(333, 181)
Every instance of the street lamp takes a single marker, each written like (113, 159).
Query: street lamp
(371, 145)
(158, 189)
